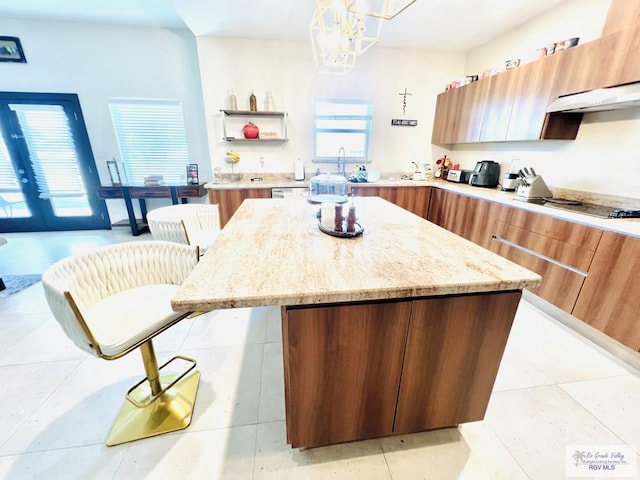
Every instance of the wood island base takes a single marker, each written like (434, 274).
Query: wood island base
(356, 371)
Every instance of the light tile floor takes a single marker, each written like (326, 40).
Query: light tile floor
(554, 389)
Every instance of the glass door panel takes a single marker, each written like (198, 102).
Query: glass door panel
(47, 171)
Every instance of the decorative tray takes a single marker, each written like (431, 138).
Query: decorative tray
(344, 233)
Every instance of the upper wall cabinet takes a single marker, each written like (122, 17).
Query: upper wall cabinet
(605, 62)
(622, 14)
(508, 106)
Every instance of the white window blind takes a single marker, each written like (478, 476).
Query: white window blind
(52, 150)
(342, 123)
(151, 138)
(7, 175)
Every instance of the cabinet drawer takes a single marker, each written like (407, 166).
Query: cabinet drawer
(566, 253)
(560, 285)
(567, 232)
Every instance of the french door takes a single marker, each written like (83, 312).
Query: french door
(48, 175)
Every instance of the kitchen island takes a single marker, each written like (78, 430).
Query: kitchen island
(398, 330)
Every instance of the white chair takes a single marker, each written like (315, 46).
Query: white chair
(115, 299)
(189, 223)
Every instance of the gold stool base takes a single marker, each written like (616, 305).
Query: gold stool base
(170, 412)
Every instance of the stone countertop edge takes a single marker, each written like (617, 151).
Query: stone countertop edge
(400, 255)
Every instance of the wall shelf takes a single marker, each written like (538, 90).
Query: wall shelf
(234, 120)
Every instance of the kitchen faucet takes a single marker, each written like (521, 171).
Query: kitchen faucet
(341, 161)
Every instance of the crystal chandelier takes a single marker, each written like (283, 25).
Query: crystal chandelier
(339, 36)
(386, 9)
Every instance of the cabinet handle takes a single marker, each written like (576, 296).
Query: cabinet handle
(539, 255)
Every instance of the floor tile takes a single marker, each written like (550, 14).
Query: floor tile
(81, 410)
(96, 462)
(238, 326)
(277, 460)
(537, 424)
(25, 388)
(272, 385)
(471, 452)
(613, 401)
(559, 353)
(229, 391)
(215, 454)
(274, 325)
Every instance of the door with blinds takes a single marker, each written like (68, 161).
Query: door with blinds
(47, 171)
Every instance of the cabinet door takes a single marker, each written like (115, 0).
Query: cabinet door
(365, 191)
(342, 367)
(471, 111)
(622, 14)
(468, 217)
(413, 199)
(500, 100)
(595, 64)
(533, 91)
(454, 349)
(610, 298)
(229, 200)
(445, 121)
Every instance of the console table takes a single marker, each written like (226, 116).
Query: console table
(129, 192)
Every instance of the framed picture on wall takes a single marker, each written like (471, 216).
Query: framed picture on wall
(11, 50)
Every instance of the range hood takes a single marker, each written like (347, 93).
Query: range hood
(612, 98)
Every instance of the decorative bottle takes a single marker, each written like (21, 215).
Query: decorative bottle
(269, 102)
(233, 101)
(253, 105)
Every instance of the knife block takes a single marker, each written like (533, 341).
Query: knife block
(535, 189)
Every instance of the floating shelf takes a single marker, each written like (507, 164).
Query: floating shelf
(249, 114)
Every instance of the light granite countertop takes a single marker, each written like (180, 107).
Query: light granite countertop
(272, 253)
(625, 226)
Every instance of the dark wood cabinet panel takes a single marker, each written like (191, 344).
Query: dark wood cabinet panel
(560, 286)
(468, 217)
(622, 14)
(413, 199)
(555, 228)
(454, 349)
(446, 117)
(228, 201)
(471, 111)
(500, 100)
(595, 64)
(610, 297)
(342, 371)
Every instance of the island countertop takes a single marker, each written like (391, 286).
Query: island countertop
(272, 253)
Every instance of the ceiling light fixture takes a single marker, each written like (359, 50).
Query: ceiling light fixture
(386, 9)
(338, 36)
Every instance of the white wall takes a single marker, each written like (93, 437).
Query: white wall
(607, 142)
(288, 70)
(99, 62)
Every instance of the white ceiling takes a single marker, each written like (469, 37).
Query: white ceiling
(447, 25)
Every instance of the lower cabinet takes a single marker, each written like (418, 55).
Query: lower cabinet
(368, 370)
(414, 199)
(610, 297)
(228, 201)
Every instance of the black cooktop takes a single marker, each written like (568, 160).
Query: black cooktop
(600, 211)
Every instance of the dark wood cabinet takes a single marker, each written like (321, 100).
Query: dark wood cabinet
(445, 124)
(595, 64)
(622, 14)
(468, 217)
(610, 297)
(373, 369)
(413, 199)
(228, 200)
